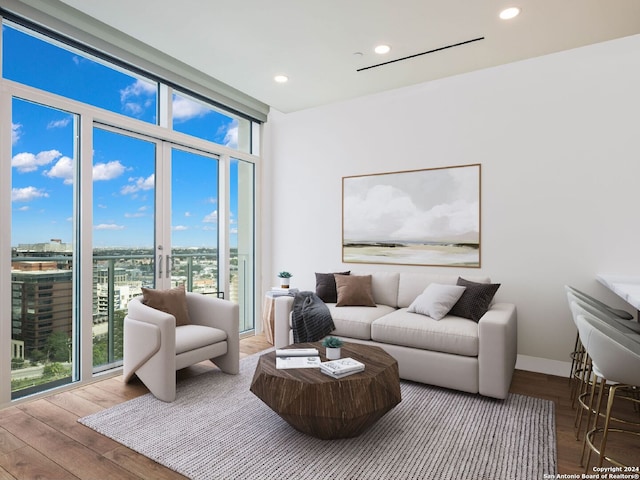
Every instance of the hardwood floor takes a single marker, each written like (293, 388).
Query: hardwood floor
(42, 439)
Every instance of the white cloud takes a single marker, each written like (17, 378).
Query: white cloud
(180, 228)
(27, 194)
(442, 221)
(135, 97)
(231, 138)
(376, 213)
(109, 226)
(211, 218)
(23, 208)
(107, 171)
(187, 214)
(133, 108)
(137, 89)
(185, 109)
(28, 162)
(59, 123)
(384, 212)
(230, 134)
(137, 184)
(63, 169)
(15, 133)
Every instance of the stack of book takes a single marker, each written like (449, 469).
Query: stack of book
(297, 358)
(342, 367)
(280, 292)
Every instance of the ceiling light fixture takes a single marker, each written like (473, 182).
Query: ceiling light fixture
(382, 49)
(281, 78)
(509, 13)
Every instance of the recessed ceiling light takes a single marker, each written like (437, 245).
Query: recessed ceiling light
(382, 49)
(509, 13)
(281, 78)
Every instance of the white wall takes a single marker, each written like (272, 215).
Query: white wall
(558, 138)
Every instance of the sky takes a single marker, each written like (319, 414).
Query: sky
(123, 167)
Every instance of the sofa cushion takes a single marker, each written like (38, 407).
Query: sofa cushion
(326, 286)
(413, 284)
(355, 322)
(354, 290)
(436, 300)
(475, 300)
(385, 288)
(455, 335)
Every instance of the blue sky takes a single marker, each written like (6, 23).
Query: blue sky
(123, 167)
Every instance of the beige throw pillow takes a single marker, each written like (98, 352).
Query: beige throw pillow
(354, 290)
(173, 302)
(436, 300)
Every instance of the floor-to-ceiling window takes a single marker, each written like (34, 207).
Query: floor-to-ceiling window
(109, 193)
(43, 248)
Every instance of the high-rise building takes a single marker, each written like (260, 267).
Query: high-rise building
(41, 301)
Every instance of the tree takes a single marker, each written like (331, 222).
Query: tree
(55, 370)
(58, 345)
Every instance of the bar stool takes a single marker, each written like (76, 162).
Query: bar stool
(580, 363)
(615, 359)
(585, 391)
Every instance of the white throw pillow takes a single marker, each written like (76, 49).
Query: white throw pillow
(436, 300)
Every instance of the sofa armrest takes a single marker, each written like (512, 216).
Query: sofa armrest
(498, 345)
(281, 325)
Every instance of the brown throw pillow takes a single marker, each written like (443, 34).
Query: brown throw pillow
(354, 290)
(173, 301)
(326, 286)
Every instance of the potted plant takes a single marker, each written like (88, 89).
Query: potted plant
(332, 346)
(284, 279)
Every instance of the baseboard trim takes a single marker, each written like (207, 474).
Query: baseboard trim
(543, 365)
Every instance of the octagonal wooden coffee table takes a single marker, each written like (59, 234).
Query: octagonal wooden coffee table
(325, 407)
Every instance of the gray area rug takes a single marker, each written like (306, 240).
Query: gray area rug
(217, 429)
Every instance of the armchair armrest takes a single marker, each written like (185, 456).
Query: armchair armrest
(223, 314)
(281, 327)
(213, 312)
(149, 340)
(498, 346)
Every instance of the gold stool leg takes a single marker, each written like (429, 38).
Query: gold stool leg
(595, 410)
(605, 432)
(583, 406)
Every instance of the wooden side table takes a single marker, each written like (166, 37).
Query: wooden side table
(268, 315)
(325, 407)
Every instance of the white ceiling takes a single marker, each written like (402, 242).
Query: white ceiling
(244, 43)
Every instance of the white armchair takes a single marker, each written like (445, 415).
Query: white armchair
(154, 348)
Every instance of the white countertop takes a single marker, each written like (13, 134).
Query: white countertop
(625, 286)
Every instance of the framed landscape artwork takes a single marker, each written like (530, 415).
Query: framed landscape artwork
(417, 217)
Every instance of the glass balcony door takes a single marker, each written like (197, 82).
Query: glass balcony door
(195, 215)
(155, 225)
(124, 233)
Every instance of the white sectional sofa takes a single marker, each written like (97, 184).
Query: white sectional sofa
(454, 352)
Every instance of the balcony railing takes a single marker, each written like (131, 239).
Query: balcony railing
(118, 277)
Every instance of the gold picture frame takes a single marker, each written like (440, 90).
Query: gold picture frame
(414, 217)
